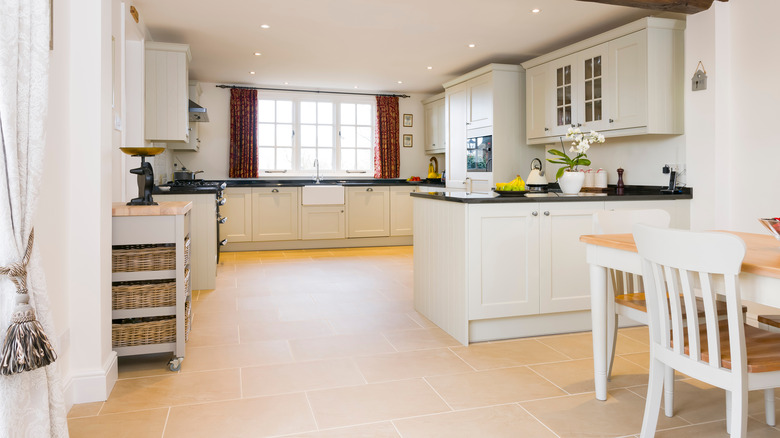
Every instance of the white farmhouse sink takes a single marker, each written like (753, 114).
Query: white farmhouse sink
(323, 194)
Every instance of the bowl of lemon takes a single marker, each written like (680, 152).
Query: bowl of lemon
(516, 187)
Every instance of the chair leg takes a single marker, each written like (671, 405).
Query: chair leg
(669, 391)
(655, 387)
(728, 412)
(612, 332)
(769, 406)
(736, 401)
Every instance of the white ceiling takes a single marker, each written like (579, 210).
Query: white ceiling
(371, 44)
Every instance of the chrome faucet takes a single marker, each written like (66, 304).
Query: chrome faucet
(317, 165)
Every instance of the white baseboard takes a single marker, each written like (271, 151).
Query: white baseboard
(87, 386)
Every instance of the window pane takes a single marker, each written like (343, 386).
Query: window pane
(326, 158)
(347, 159)
(347, 113)
(364, 138)
(284, 158)
(284, 135)
(265, 158)
(284, 111)
(308, 112)
(265, 111)
(308, 155)
(597, 66)
(364, 115)
(364, 159)
(347, 137)
(308, 135)
(325, 114)
(265, 135)
(325, 136)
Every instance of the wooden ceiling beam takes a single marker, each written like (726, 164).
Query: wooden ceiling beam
(681, 6)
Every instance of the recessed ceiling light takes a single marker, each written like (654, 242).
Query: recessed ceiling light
(356, 86)
(286, 83)
(251, 72)
(472, 45)
(265, 26)
(400, 82)
(258, 53)
(430, 68)
(536, 10)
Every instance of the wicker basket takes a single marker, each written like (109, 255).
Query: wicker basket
(187, 320)
(187, 251)
(141, 294)
(146, 331)
(134, 258)
(187, 278)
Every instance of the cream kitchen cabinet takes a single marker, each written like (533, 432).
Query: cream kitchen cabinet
(480, 102)
(368, 211)
(627, 81)
(274, 213)
(193, 144)
(435, 142)
(166, 98)
(401, 213)
(322, 222)
(238, 211)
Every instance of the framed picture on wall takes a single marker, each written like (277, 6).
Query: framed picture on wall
(408, 119)
(407, 140)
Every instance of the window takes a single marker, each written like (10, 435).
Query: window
(295, 131)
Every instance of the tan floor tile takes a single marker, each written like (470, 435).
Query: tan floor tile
(257, 315)
(236, 356)
(339, 346)
(376, 430)
(640, 333)
(211, 336)
(756, 429)
(420, 319)
(204, 318)
(510, 421)
(144, 365)
(584, 416)
(139, 424)
(643, 360)
(282, 330)
(172, 390)
(420, 339)
(300, 376)
(374, 402)
(485, 388)
(576, 376)
(265, 301)
(411, 364)
(580, 345)
(489, 355)
(358, 296)
(85, 410)
(253, 417)
(226, 283)
(372, 323)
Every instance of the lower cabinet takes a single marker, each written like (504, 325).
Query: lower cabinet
(238, 211)
(368, 211)
(274, 213)
(401, 212)
(322, 222)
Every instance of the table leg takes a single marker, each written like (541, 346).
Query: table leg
(598, 314)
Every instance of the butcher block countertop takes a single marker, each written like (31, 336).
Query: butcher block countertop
(119, 209)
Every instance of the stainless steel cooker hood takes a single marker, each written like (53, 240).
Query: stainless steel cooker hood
(198, 113)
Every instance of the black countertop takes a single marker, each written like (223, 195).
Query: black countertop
(631, 193)
(253, 182)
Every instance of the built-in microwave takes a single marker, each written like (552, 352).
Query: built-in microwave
(479, 154)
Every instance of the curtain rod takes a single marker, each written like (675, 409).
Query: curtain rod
(403, 96)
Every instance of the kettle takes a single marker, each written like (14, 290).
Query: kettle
(536, 182)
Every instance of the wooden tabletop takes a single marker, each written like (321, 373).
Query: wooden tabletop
(762, 256)
(161, 209)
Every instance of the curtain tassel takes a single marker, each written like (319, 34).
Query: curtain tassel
(26, 346)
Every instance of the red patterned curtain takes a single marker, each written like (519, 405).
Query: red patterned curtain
(243, 133)
(387, 148)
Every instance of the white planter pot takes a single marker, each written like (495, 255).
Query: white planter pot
(571, 182)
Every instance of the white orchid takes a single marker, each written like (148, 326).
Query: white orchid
(580, 145)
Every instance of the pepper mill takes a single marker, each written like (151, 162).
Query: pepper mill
(620, 187)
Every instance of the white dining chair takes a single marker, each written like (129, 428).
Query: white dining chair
(727, 354)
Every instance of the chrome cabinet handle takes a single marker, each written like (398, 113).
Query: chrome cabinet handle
(546, 213)
(534, 213)
(275, 191)
(369, 189)
(223, 242)
(221, 201)
(222, 220)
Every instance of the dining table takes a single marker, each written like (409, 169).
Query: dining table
(759, 282)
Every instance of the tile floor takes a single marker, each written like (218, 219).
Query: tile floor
(326, 343)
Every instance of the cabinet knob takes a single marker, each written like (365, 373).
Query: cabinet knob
(223, 242)
(534, 213)
(546, 213)
(579, 124)
(611, 121)
(546, 129)
(369, 189)
(275, 191)
(222, 220)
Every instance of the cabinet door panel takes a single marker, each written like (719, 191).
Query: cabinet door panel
(275, 214)
(480, 102)
(564, 272)
(457, 101)
(503, 261)
(368, 211)
(322, 222)
(563, 87)
(628, 82)
(537, 87)
(592, 80)
(238, 211)
(401, 216)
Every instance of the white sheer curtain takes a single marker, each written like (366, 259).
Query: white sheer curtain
(31, 403)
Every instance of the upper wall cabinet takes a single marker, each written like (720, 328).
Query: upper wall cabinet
(167, 96)
(194, 127)
(628, 81)
(434, 124)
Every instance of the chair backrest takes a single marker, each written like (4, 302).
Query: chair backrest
(676, 262)
(623, 221)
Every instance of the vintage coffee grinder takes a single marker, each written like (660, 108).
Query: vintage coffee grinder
(145, 173)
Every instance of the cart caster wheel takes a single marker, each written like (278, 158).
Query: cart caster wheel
(175, 364)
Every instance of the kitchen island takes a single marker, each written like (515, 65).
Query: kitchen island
(489, 267)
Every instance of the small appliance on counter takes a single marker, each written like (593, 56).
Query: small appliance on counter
(536, 182)
(145, 173)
